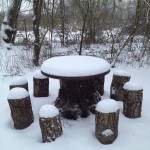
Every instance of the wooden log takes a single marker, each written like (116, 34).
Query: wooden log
(78, 97)
(19, 82)
(120, 77)
(106, 121)
(20, 106)
(132, 103)
(50, 123)
(40, 85)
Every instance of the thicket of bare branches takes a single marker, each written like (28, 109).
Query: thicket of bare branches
(83, 22)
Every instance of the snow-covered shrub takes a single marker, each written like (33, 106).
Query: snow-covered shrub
(16, 60)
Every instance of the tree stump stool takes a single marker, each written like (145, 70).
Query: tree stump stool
(120, 77)
(50, 123)
(132, 103)
(106, 121)
(19, 82)
(41, 84)
(20, 106)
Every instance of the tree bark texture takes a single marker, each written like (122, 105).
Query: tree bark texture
(83, 30)
(62, 17)
(79, 97)
(25, 86)
(10, 21)
(116, 88)
(50, 128)
(37, 9)
(41, 87)
(106, 126)
(132, 104)
(21, 112)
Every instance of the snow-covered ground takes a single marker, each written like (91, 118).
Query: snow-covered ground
(79, 134)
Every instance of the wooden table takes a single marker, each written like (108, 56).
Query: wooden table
(81, 83)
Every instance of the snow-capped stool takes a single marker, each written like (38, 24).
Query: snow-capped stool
(20, 81)
(50, 123)
(120, 77)
(20, 106)
(41, 84)
(132, 103)
(106, 121)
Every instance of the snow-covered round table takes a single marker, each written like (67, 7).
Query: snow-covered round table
(81, 82)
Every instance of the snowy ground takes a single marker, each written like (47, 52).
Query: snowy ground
(77, 135)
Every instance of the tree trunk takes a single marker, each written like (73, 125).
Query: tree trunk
(83, 27)
(62, 16)
(132, 104)
(41, 87)
(37, 9)
(9, 25)
(21, 112)
(106, 127)
(51, 128)
(52, 26)
(25, 86)
(79, 97)
(116, 89)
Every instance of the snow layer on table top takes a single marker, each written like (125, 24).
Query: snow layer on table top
(107, 106)
(37, 74)
(132, 86)
(75, 66)
(17, 93)
(121, 73)
(19, 80)
(48, 111)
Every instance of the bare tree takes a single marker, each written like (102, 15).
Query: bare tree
(9, 25)
(135, 29)
(62, 18)
(83, 6)
(37, 9)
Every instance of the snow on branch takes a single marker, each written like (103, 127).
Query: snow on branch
(147, 16)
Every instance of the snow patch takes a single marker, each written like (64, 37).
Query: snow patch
(107, 132)
(17, 93)
(132, 86)
(37, 74)
(47, 111)
(75, 66)
(121, 73)
(19, 81)
(107, 106)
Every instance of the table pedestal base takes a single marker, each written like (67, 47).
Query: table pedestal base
(79, 97)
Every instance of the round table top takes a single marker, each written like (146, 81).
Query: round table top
(75, 67)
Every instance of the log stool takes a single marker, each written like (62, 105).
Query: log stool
(132, 103)
(50, 123)
(20, 81)
(20, 106)
(106, 121)
(41, 84)
(120, 77)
